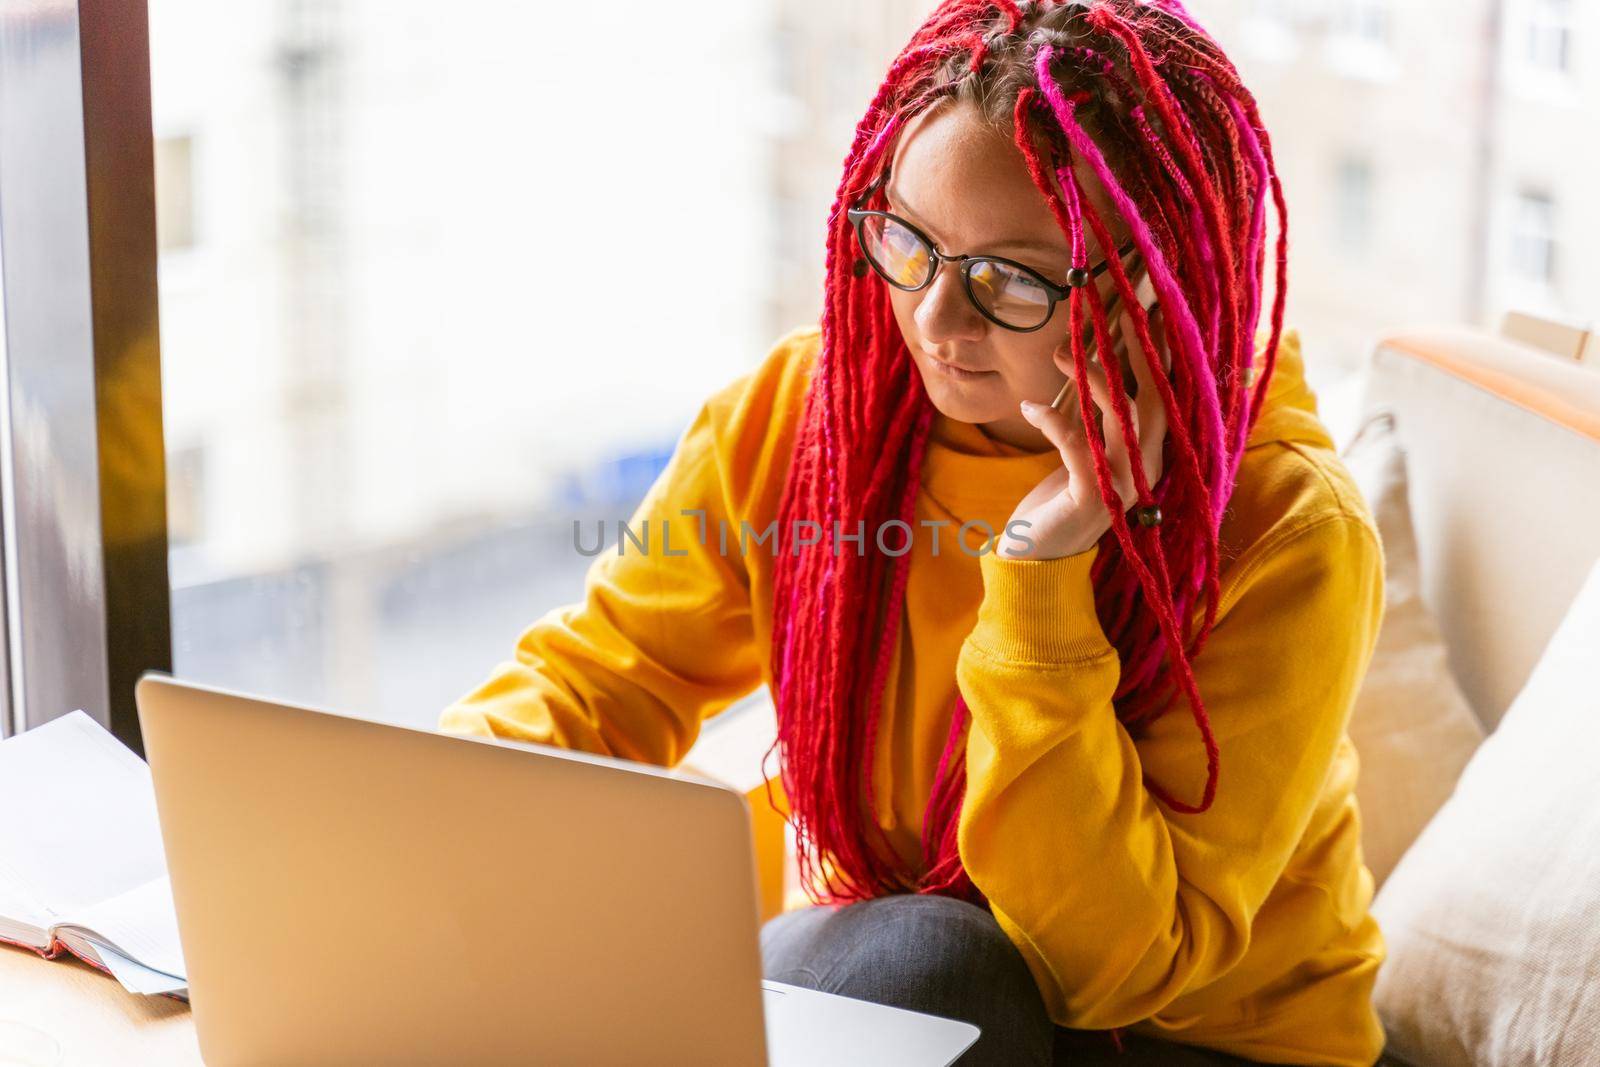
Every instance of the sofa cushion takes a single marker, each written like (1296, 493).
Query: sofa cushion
(1492, 918)
(1412, 727)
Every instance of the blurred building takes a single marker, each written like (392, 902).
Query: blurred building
(1433, 153)
(829, 58)
(1542, 151)
(434, 278)
(1431, 156)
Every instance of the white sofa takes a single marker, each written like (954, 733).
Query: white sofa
(1502, 468)
(1492, 914)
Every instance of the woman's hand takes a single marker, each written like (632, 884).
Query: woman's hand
(1064, 513)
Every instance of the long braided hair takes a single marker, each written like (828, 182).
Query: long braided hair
(1144, 98)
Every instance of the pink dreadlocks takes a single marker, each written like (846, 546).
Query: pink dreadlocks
(1146, 100)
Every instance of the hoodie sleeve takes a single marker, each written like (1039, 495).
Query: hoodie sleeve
(664, 636)
(1118, 904)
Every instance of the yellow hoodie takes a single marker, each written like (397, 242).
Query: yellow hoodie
(1244, 928)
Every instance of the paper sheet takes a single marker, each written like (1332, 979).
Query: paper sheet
(135, 977)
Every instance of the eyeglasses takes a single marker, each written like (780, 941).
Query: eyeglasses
(1007, 293)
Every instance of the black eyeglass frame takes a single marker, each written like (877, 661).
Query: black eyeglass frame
(1076, 277)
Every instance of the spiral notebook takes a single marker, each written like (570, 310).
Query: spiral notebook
(81, 864)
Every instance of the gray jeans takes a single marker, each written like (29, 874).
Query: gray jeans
(947, 957)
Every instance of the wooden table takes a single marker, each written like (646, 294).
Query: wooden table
(97, 1022)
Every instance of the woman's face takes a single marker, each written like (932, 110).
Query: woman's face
(967, 187)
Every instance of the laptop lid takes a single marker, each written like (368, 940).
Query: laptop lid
(351, 891)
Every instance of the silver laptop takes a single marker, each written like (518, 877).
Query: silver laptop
(351, 891)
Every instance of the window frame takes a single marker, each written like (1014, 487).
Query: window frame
(82, 463)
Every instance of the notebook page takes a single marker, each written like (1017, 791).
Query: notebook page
(140, 924)
(22, 919)
(77, 816)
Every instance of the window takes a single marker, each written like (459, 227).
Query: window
(386, 396)
(1360, 41)
(787, 77)
(1547, 36)
(788, 59)
(851, 78)
(1268, 30)
(174, 160)
(1533, 238)
(1353, 206)
(1366, 21)
(1537, 49)
(185, 495)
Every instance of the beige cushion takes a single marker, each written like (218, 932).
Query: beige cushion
(1502, 447)
(1492, 918)
(1412, 727)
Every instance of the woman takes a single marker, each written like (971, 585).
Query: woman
(1062, 592)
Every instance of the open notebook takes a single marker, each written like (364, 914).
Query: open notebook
(81, 864)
